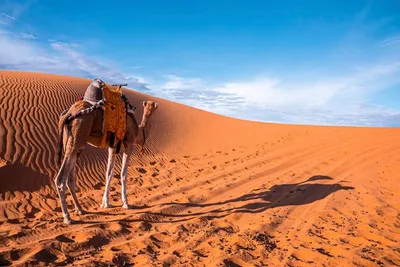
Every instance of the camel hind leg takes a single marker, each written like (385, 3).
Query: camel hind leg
(73, 141)
(71, 184)
(61, 182)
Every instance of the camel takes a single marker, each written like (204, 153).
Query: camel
(86, 128)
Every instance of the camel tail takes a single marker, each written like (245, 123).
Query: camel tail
(63, 120)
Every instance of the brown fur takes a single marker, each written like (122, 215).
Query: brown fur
(75, 108)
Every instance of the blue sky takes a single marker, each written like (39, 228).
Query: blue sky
(306, 62)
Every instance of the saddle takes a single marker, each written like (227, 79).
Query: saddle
(115, 110)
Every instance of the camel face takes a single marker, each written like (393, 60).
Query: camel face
(149, 106)
(149, 109)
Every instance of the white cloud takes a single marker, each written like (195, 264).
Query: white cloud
(195, 92)
(317, 92)
(336, 100)
(95, 68)
(175, 82)
(20, 53)
(27, 35)
(16, 52)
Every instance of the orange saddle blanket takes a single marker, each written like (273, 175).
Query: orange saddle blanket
(114, 118)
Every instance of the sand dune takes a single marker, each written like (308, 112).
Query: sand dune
(210, 190)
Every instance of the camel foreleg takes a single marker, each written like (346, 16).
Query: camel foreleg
(124, 172)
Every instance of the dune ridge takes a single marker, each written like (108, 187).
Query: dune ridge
(209, 191)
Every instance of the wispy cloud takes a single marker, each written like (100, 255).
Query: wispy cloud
(393, 40)
(19, 52)
(27, 35)
(174, 82)
(338, 100)
(94, 68)
(6, 19)
(14, 9)
(195, 92)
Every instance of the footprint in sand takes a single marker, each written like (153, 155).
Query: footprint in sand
(145, 226)
(230, 263)
(45, 256)
(141, 170)
(64, 239)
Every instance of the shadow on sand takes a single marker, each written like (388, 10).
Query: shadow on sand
(16, 177)
(277, 196)
(281, 195)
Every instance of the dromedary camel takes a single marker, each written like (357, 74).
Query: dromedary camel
(73, 136)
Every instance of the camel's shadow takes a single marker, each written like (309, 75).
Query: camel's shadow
(276, 196)
(281, 195)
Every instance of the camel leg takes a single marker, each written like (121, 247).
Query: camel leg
(71, 184)
(109, 175)
(61, 180)
(124, 172)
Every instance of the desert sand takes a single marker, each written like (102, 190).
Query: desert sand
(209, 190)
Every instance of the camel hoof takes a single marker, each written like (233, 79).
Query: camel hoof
(80, 212)
(68, 221)
(126, 206)
(105, 206)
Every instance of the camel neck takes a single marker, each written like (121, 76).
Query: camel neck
(144, 122)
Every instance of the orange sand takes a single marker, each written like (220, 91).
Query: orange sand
(209, 191)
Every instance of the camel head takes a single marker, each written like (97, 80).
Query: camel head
(149, 109)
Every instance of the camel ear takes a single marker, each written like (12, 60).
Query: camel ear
(144, 103)
(155, 105)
